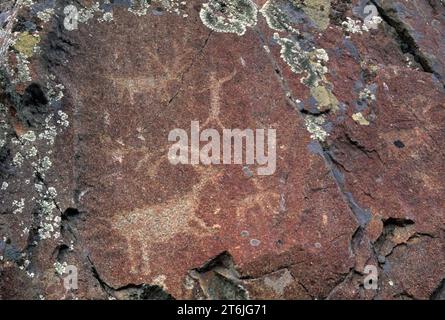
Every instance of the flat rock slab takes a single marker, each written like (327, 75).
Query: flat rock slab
(87, 107)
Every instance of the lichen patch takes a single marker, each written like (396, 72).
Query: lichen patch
(25, 43)
(326, 100)
(231, 16)
(360, 119)
(318, 11)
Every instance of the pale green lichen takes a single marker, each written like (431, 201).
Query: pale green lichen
(317, 68)
(23, 73)
(173, 6)
(278, 13)
(291, 53)
(231, 16)
(18, 160)
(49, 226)
(44, 165)
(311, 63)
(49, 222)
(46, 14)
(52, 192)
(29, 136)
(54, 93)
(366, 95)
(31, 152)
(49, 214)
(26, 3)
(315, 127)
(313, 66)
(108, 17)
(86, 14)
(139, 7)
(276, 18)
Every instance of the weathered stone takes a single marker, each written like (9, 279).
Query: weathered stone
(86, 181)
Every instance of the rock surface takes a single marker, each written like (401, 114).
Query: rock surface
(89, 94)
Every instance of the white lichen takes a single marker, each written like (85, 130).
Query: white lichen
(29, 136)
(50, 132)
(45, 164)
(53, 193)
(31, 152)
(174, 6)
(19, 206)
(26, 3)
(374, 22)
(25, 232)
(366, 95)
(46, 14)
(60, 268)
(352, 26)
(23, 73)
(63, 121)
(18, 160)
(108, 16)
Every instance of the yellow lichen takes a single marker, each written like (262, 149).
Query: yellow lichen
(318, 11)
(26, 43)
(360, 119)
(326, 100)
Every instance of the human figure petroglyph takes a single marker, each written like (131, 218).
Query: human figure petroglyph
(215, 87)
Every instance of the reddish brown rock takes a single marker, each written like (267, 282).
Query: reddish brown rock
(359, 155)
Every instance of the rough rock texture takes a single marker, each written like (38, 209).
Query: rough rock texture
(87, 105)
